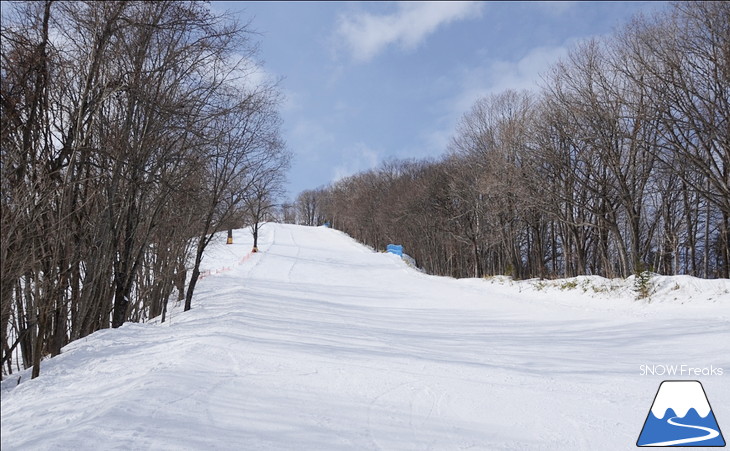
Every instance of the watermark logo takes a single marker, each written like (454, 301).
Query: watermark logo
(680, 416)
(679, 370)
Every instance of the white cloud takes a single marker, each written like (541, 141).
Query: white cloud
(309, 140)
(356, 159)
(292, 101)
(491, 77)
(367, 34)
(555, 8)
(500, 75)
(242, 71)
(256, 76)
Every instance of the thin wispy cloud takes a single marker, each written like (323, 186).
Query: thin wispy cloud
(490, 77)
(312, 137)
(365, 35)
(358, 157)
(500, 75)
(245, 72)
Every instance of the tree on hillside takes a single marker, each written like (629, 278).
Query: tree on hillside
(241, 141)
(112, 112)
(685, 64)
(492, 140)
(309, 207)
(287, 213)
(264, 191)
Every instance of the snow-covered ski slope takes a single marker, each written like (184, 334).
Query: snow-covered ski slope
(318, 343)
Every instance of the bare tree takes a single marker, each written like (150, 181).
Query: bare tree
(111, 112)
(686, 58)
(264, 190)
(240, 142)
(309, 207)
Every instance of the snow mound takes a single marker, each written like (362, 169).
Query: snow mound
(662, 289)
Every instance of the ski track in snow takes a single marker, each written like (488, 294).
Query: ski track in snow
(316, 342)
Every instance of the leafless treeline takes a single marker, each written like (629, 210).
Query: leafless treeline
(131, 132)
(620, 163)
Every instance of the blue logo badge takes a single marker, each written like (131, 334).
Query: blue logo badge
(680, 416)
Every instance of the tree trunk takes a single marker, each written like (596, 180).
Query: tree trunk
(724, 245)
(195, 274)
(121, 302)
(38, 345)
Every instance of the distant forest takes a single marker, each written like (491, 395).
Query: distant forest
(618, 164)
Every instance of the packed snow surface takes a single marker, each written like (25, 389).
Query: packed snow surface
(319, 343)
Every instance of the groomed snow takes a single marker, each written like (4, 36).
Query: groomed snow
(318, 343)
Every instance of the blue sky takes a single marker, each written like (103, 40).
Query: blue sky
(368, 81)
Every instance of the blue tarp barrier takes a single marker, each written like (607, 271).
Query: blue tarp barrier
(396, 249)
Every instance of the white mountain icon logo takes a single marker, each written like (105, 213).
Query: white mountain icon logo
(680, 416)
